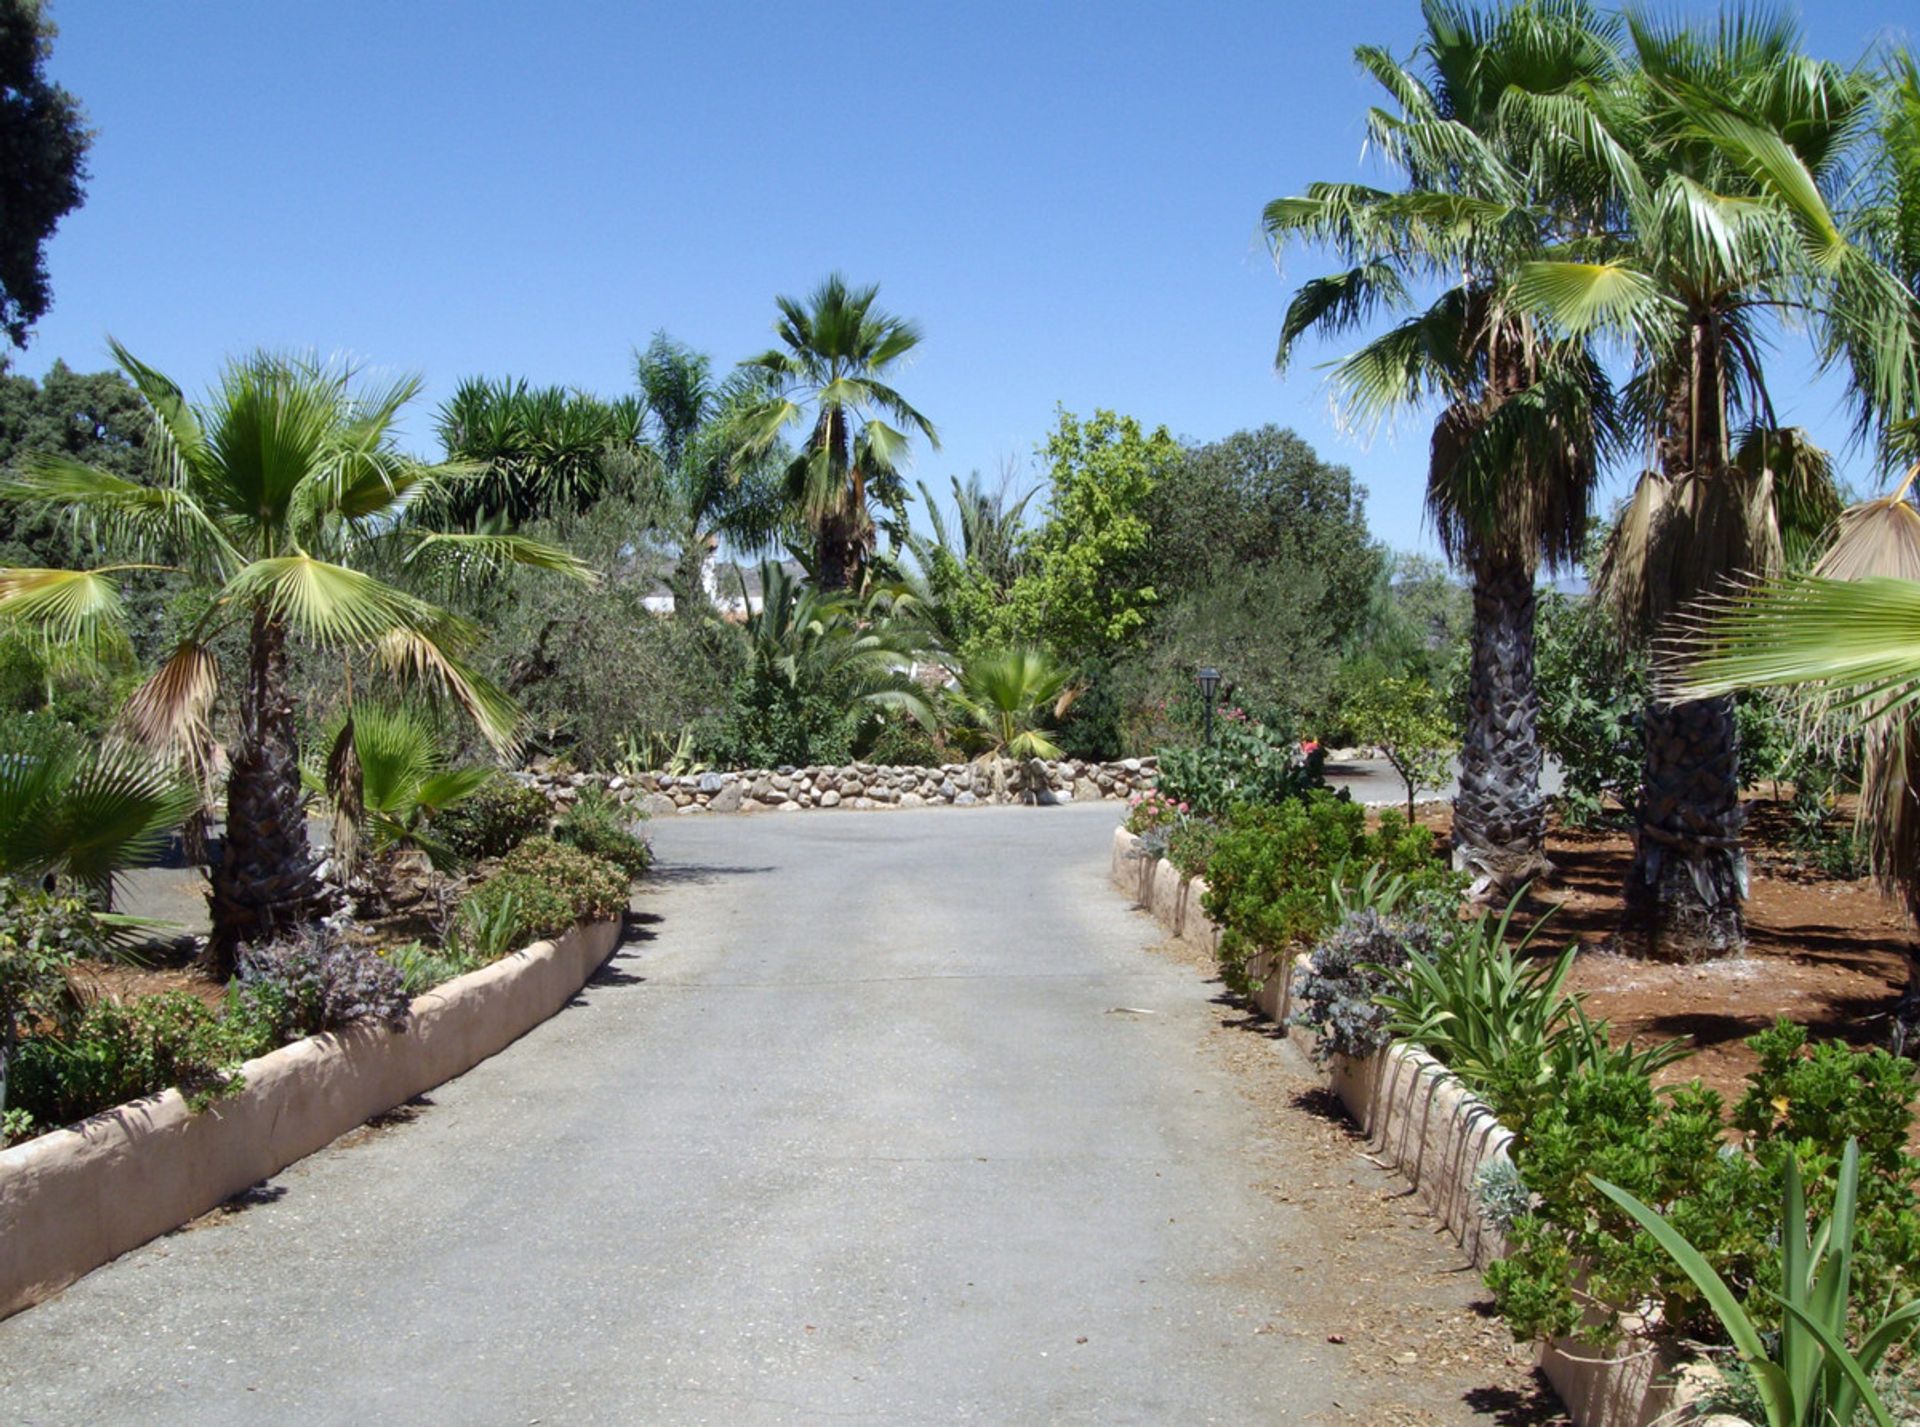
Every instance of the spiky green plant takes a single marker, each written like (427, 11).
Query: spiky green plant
(1004, 698)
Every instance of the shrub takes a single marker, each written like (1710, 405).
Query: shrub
(312, 981)
(596, 823)
(421, 968)
(902, 743)
(1666, 1148)
(492, 822)
(1190, 845)
(1147, 812)
(119, 1052)
(40, 936)
(1270, 870)
(1247, 763)
(1351, 967)
(552, 885)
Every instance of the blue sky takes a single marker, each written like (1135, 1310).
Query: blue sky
(1066, 196)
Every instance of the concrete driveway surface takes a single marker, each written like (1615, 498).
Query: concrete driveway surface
(864, 1124)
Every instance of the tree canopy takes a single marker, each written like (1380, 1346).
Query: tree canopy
(43, 150)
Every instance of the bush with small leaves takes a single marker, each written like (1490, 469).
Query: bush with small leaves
(40, 936)
(500, 816)
(597, 824)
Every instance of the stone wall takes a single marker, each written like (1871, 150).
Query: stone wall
(857, 785)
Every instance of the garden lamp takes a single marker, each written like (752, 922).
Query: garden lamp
(1209, 680)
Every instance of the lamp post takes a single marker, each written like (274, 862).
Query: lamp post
(1209, 681)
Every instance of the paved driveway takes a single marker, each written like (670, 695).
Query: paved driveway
(862, 1126)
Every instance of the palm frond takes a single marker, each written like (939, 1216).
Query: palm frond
(329, 604)
(74, 608)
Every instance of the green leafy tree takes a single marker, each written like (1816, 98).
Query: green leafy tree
(46, 144)
(1081, 596)
(830, 375)
(1727, 155)
(1477, 132)
(267, 498)
(1407, 720)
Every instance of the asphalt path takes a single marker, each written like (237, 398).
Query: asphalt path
(884, 1118)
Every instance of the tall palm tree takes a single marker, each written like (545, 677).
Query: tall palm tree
(265, 499)
(1726, 153)
(1490, 178)
(829, 373)
(719, 485)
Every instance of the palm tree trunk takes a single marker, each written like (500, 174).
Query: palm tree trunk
(265, 879)
(1499, 817)
(833, 547)
(1689, 874)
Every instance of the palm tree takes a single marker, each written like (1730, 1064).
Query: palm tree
(1725, 153)
(1490, 178)
(719, 485)
(86, 813)
(1004, 697)
(400, 779)
(814, 641)
(829, 373)
(265, 499)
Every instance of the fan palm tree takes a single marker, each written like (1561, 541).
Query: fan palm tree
(265, 499)
(1004, 698)
(86, 814)
(1725, 153)
(719, 485)
(1490, 179)
(401, 779)
(829, 373)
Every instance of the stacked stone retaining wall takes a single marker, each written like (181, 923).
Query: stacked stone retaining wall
(855, 785)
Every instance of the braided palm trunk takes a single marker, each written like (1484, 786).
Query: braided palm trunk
(1499, 817)
(265, 879)
(1689, 874)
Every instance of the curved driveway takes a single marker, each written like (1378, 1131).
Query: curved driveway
(863, 1125)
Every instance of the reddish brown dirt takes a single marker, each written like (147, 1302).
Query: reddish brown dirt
(122, 981)
(1824, 951)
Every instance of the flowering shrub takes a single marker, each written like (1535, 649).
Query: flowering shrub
(312, 981)
(1149, 811)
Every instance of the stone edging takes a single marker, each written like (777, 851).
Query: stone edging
(854, 785)
(74, 1199)
(1435, 1131)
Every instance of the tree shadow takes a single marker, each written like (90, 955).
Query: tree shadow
(1534, 1406)
(699, 874)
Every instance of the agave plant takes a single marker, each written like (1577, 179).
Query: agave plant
(270, 499)
(813, 639)
(1003, 698)
(86, 813)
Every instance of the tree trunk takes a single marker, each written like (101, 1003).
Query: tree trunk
(833, 548)
(1499, 817)
(265, 880)
(1689, 875)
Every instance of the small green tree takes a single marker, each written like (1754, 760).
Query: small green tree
(1076, 597)
(1409, 722)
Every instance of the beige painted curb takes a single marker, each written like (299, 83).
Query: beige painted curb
(75, 1199)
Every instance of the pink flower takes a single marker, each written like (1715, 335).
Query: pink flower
(1309, 745)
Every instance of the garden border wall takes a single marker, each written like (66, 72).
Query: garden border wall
(1435, 1131)
(851, 785)
(74, 1199)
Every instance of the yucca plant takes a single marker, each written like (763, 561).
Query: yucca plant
(1812, 1378)
(1004, 698)
(268, 499)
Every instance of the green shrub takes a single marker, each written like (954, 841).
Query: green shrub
(40, 936)
(421, 967)
(537, 912)
(552, 885)
(1667, 1149)
(1247, 763)
(1270, 869)
(1151, 811)
(119, 1052)
(498, 817)
(902, 743)
(598, 824)
(1190, 845)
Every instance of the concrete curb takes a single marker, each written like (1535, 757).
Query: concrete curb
(78, 1198)
(1437, 1133)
